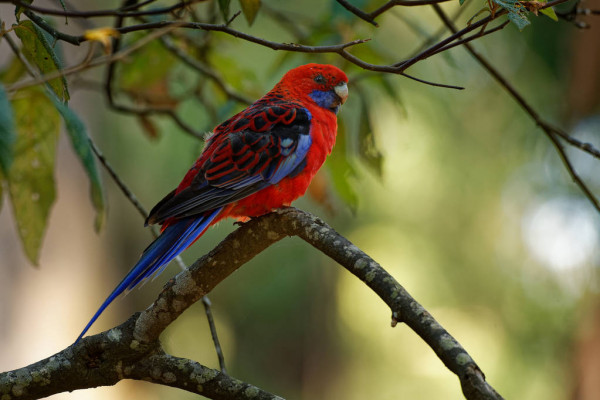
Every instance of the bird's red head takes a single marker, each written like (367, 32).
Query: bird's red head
(322, 84)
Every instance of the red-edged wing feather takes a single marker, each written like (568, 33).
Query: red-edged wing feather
(256, 148)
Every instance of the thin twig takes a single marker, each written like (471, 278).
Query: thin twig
(405, 3)
(472, 37)
(213, 332)
(101, 13)
(129, 195)
(443, 85)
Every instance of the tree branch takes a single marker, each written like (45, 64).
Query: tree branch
(101, 13)
(128, 350)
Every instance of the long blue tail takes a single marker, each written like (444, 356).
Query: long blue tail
(172, 241)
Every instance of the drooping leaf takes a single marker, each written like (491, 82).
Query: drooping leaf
(37, 49)
(19, 10)
(79, 140)
(516, 12)
(224, 7)
(31, 177)
(250, 9)
(341, 170)
(7, 132)
(367, 148)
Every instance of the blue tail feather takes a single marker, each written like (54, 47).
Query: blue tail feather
(173, 240)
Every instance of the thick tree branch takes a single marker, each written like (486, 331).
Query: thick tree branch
(132, 350)
(114, 355)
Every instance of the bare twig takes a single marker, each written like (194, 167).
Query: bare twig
(405, 3)
(472, 37)
(213, 332)
(129, 195)
(443, 85)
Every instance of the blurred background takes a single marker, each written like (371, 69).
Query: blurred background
(459, 196)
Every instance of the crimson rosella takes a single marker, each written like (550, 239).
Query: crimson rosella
(260, 159)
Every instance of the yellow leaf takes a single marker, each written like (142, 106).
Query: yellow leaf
(102, 35)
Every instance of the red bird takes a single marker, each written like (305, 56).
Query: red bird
(258, 160)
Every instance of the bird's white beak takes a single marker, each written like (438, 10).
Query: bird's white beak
(342, 91)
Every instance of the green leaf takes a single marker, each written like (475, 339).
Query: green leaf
(31, 177)
(19, 10)
(367, 148)
(549, 12)
(250, 9)
(224, 7)
(341, 170)
(516, 12)
(81, 144)
(39, 52)
(7, 132)
(461, 2)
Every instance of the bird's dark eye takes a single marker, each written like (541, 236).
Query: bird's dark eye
(320, 79)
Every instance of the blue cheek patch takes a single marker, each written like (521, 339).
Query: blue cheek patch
(325, 99)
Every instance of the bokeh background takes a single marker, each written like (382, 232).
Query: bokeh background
(473, 213)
